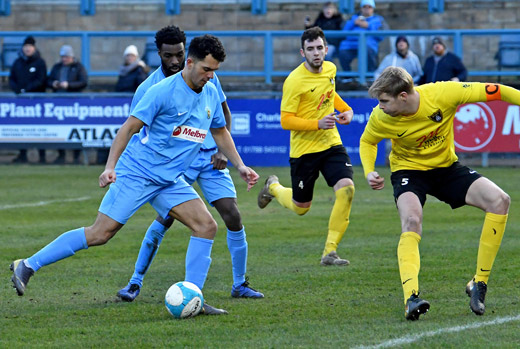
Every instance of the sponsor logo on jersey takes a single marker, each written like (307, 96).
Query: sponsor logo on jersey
(190, 133)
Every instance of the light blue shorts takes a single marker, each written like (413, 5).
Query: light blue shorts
(215, 184)
(129, 192)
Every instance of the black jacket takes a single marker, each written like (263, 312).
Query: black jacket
(448, 67)
(77, 77)
(28, 74)
(130, 81)
(333, 23)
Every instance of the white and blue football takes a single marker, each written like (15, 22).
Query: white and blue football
(184, 300)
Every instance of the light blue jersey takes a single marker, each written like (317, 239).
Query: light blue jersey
(157, 76)
(154, 78)
(178, 121)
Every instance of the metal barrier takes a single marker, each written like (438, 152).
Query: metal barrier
(268, 71)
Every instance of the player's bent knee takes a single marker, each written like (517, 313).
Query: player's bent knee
(503, 203)
(206, 230)
(96, 237)
(412, 223)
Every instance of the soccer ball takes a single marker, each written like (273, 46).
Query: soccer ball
(183, 300)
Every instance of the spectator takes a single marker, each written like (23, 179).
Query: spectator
(132, 72)
(28, 74)
(29, 71)
(364, 21)
(328, 19)
(442, 65)
(69, 75)
(402, 57)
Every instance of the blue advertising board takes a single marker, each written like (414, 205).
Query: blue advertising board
(93, 121)
(261, 141)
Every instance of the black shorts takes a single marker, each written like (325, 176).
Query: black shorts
(333, 163)
(448, 184)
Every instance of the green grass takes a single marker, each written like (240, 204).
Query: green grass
(72, 303)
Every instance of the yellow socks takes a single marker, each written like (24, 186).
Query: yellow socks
(339, 218)
(490, 240)
(284, 197)
(409, 262)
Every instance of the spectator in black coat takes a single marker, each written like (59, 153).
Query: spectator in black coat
(29, 71)
(328, 19)
(443, 65)
(133, 72)
(28, 74)
(69, 75)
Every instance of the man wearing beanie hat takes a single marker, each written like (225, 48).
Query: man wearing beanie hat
(28, 74)
(133, 71)
(402, 57)
(364, 21)
(442, 65)
(29, 71)
(68, 75)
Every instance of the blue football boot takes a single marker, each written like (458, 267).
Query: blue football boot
(129, 293)
(244, 291)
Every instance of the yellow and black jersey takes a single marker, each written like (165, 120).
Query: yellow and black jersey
(424, 141)
(311, 96)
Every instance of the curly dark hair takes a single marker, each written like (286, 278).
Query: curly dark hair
(170, 35)
(201, 46)
(312, 34)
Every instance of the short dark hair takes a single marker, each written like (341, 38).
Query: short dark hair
(201, 46)
(170, 35)
(312, 34)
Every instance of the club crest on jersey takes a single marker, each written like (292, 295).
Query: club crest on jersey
(190, 133)
(437, 116)
(208, 112)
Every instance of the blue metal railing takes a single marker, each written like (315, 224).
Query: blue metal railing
(268, 71)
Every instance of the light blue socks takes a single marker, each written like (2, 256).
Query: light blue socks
(62, 247)
(237, 246)
(147, 252)
(198, 260)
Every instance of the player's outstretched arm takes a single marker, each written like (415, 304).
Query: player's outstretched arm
(227, 146)
(131, 126)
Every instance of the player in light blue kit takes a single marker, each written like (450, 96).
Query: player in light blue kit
(208, 169)
(149, 167)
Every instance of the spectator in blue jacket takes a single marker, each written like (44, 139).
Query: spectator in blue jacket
(366, 20)
(442, 65)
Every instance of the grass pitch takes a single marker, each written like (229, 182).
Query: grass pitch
(72, 303)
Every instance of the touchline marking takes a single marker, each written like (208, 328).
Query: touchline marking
(414, 338)
(42, 203)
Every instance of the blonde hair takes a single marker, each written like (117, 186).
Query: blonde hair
(392, 81)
